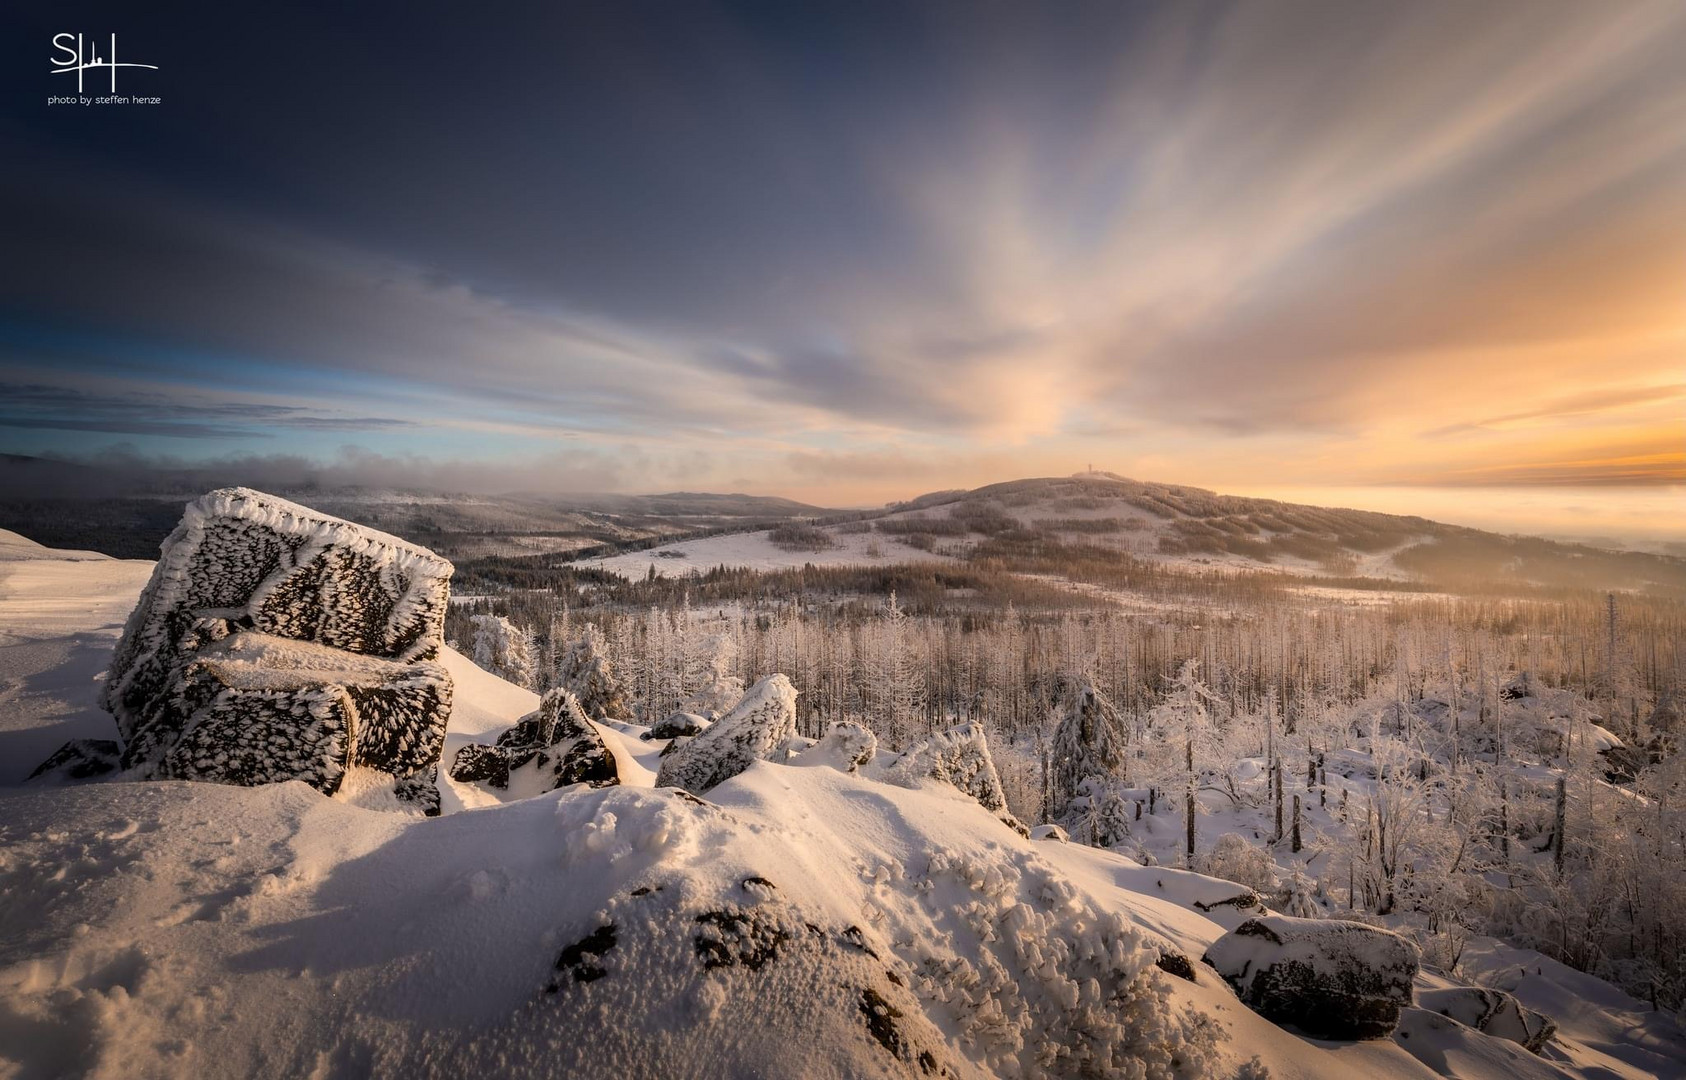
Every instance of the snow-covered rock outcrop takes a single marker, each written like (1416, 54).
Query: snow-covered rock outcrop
(1327, 977)
(277, 643)
(755, 729)
(552, 747)
(1491, 1012)
(958, 757)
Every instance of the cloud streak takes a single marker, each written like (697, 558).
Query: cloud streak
(1227, 243)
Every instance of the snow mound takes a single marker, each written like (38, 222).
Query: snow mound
(1329, 978)
(1492, 1012)
(756, 728)
(273, 642)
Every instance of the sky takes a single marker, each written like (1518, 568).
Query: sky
(1425, 258)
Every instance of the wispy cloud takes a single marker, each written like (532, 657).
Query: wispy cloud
(1230, 242)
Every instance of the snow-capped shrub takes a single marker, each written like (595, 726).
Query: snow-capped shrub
(760, 724)
(1298, 897)
(1100, 815)
(1235, 858)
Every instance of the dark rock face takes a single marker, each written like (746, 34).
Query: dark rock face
(556, 743)
(1328, 978)
(276, 643)
(1492, 1012)
(480, 764)
(80, 759)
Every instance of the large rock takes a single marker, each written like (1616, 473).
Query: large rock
(959, 757)
(1329, 978)
(760, 724)
(552, 747)
(1492, 1012)
(277, 643)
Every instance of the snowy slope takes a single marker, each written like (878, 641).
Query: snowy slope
(756, 551)
(799, 922)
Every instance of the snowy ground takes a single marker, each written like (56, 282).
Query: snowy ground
(755, 551)
(800, 922)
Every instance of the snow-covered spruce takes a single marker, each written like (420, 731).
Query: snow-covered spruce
(760, 724)
(274, 643)
(585, 670)
(959, 757)
(1491, 1012)
(1327, 977)
(552, 747)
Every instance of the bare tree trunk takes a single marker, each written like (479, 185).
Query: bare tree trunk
(1278, 775)
(1296, 845)
(1562, 823)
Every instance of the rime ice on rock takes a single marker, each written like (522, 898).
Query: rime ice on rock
(958, 757)
(762, 722)
(1329, 978)
(550, 748)
(275, 643)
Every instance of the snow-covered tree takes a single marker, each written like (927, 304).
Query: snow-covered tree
(1089, 743)
(586, 671)
(503, 649)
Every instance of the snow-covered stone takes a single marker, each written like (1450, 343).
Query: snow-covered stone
(760, 724)
(277, 643)
(677, 725)
(1329, 978)
(552, 747)
(845, 747)
(959, 757)
(1050, 832)
(1491, 1012)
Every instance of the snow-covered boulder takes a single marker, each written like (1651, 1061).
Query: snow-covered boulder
(1491, 1012)
(846, 747)
(550, 748)
(760, 724)
(1329, 978)
(1050, 832)
(277, 643)
(959, 757)
(676, 726)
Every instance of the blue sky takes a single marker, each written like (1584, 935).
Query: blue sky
(853, 252)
